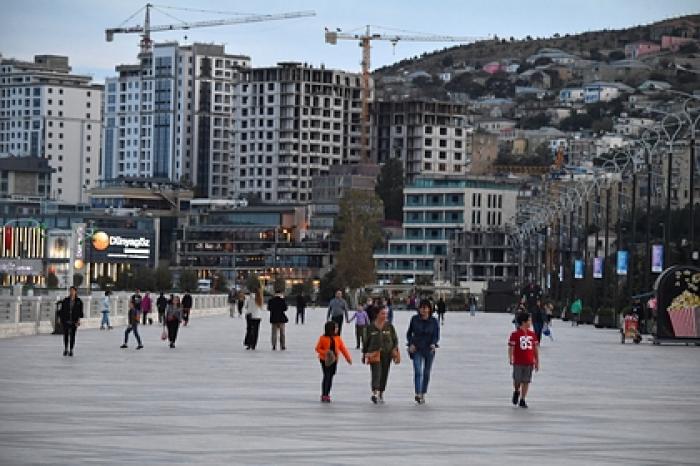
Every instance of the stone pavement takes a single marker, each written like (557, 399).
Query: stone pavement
(211, 402)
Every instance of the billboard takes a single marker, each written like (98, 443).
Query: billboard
(622, 262)
(114, 245)
(597, 267)
(678, 303)
(578, 268)
(657, 258)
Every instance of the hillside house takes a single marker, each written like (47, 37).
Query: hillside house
(641, 48)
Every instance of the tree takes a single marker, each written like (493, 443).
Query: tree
(358, 221)
(535, 122)
(105, 282)
(51, 280)
(220, 283)
(163, 279)
(390, 189)
(252, 282)
(575, 122)
(144, 279)
(77, 280)
(188, 280)
(327, 287)
(604, 124)
(448, 61)
(279, 286)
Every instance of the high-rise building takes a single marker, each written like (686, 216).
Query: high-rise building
(47, 112)
(170, 115)
(431, 138)
(293, 122)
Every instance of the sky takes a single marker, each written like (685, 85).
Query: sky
(76, 27)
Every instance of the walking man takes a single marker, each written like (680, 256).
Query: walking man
(70, 314)
(162, 305)
(338, 310)
(186, 307)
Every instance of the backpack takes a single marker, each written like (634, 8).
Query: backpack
(330, 357)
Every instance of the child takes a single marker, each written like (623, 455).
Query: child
(327, 348)
(523, 356)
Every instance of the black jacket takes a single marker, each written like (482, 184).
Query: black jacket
(187, 301)
(277, 307)
(162, 303)
(66, 314)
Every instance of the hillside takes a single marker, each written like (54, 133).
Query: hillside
(590, 45)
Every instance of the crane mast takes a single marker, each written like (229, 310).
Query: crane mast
(365, 40)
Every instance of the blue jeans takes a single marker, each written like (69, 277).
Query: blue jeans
(422, 363)
(105, 319)
(132, 328)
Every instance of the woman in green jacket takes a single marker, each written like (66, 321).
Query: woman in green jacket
(380, 347)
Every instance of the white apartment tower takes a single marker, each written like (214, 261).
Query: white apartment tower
(431, 138)
(293, 122)
(170, 117)
(45, 111)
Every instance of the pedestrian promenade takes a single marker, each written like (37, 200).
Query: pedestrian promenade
(209, 401)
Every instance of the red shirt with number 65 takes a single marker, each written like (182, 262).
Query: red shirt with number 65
(523, 343)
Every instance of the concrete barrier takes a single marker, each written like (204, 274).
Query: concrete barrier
(34, 315)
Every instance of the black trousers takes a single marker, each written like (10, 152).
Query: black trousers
(328, 373)
(161, 315)
(252, 331)
(69, 335)
(380, 372)
(173, 327)
(339, 321)
(300, 315)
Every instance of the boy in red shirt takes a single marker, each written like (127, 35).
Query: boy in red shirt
(523, 355)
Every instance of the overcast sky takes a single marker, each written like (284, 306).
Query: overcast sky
(76, 27)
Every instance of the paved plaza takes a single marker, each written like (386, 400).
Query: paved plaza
(211, 402)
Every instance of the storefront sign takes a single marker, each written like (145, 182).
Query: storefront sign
(121, 245)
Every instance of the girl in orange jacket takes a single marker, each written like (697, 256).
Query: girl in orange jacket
(327, 347)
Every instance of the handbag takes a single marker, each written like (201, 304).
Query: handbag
(330, 357)
(164, 334)
(374, 357)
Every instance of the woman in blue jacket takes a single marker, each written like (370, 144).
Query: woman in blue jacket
(423, 336)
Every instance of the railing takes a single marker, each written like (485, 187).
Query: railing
(32, 315)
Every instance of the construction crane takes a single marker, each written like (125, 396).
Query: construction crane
(147, 28)
(332, 37)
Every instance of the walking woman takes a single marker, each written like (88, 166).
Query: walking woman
(423, 335)
(327, 347)
(70, 314)
(240, 302)
(253, 313)
(380, 347)
(361, 322)
(173, 317)
(278, 319)
(105, 312)
(133, 325)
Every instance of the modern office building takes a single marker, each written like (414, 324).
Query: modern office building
(170, 116)
(432, 138)
(436, 212)
(48, 112)
(292, 123)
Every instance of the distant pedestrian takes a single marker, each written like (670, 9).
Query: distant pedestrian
(70, 314)
(576, 308)
(301, 309)
(232, 303)
(422, 338)
(105, 311)
(133, 319)
(471, 302)
(278, 319)
(380, 347)
(441, 309)
(240, 302)
(361, 322)
(186, 307)
(386, 302)
(253, 313)
(523, 355)
(338, 311)
(162, 305)
(328, 346)
(173, 317)
(146, 305)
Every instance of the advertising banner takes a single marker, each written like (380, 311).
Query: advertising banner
(122, 245)
(578, 268)
(597, 267)
(622, 262)
(657, 258)
(678, 303)
(561, 273)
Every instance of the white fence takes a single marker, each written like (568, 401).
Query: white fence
(33, 315)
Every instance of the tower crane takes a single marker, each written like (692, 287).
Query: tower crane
(332, 37)
(147, 28)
